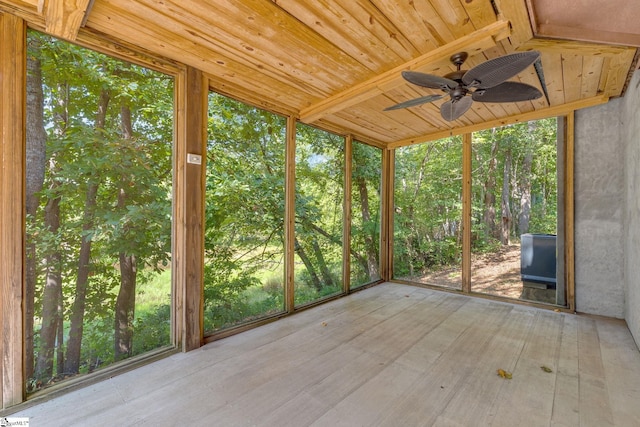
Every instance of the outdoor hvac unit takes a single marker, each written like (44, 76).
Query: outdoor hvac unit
(538, 260)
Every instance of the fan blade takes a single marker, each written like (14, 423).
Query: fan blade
(429, 80)
(507, 92)
(538, 66)
(414, 102)
(451, 110)
(495, 71)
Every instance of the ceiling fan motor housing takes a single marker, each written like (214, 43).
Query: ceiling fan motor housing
(458, 92)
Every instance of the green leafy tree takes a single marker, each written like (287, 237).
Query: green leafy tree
(105, 198)
(518, 163)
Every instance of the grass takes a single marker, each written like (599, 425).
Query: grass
(154, 293)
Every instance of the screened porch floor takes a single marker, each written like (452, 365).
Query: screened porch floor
(392, 355)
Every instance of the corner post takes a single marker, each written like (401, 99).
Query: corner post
(12, 205)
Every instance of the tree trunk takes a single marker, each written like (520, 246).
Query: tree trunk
(60, 338)
(525, 194)
(36, 139)
(413, 237)
(506, 208)
(52, 310)
(125, 307)
(126, 300)
(51, 302)
(324, 270)
(489, 216)
(74, 344)
(369, 241)
(337, 240)
(36, 136)
(315, 280)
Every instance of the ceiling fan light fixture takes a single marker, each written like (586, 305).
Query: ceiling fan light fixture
(486, 82)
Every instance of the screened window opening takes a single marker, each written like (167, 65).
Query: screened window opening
(516, 211)
(427, 239)
(244, 214)
(99, 211)
(318, 214)
(366, 205)
(515, 246)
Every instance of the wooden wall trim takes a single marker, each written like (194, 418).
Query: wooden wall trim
(346, 214)
(290, 214)
(12, 168)
(569, 208)
(466, 212)
(178, 249)
(386, 233)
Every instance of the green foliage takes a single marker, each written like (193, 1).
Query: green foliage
(152, 329)
(535, 139)
(97, 344)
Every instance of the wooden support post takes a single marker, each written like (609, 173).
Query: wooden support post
(346, 215)
(466, 212)
(569, 229)
(12, 182)
(192, 93)
(386, 232)
(290, 213)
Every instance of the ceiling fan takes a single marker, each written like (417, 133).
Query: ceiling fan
(483, 83)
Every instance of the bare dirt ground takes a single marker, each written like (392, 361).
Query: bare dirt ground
(496, 273)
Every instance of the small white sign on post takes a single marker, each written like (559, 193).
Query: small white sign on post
(194, 159)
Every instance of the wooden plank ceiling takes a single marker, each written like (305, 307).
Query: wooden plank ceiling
(337, 63)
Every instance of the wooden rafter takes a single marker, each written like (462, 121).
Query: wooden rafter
(466, 212)
(63, 18)
(575, 47)
(553, 111)
(477, 41)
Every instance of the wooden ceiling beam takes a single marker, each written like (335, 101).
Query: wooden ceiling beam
(555, 111)
(63, 18)
(588, 35)
(573, 47)
(476, 42)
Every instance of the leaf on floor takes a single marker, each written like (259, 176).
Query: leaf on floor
(504, 374)
(546, 369)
